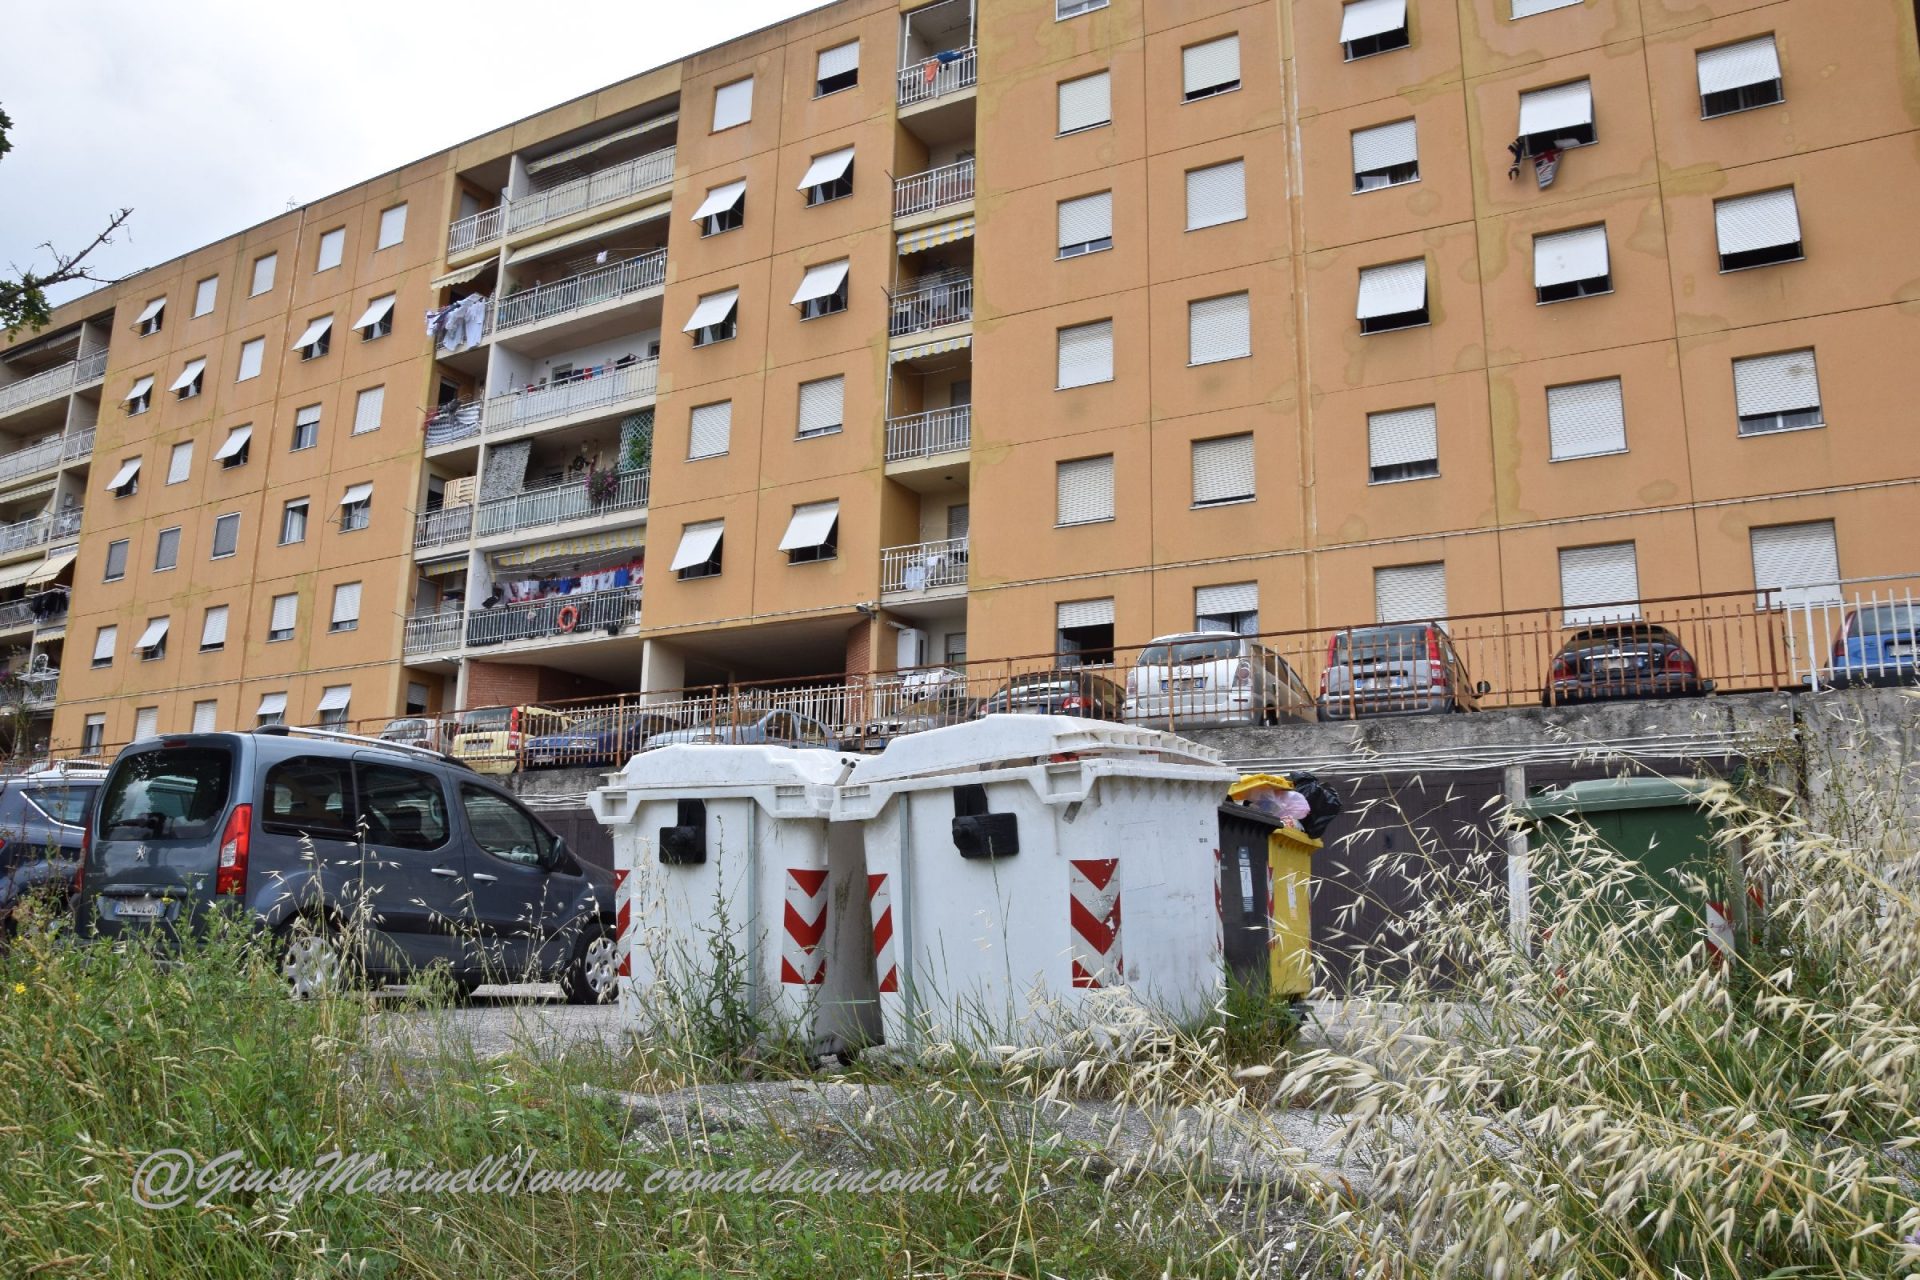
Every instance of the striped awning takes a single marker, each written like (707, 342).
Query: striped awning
(588, 148)
(54, 566)
(933, 348)
(15, 574)
(442, 567)
(938, 234)
(461, 276)
(588, 544)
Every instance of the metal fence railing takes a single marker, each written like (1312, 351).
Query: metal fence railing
(555, 619)
(436, 632)
(922, 435)
(438, 528)
(476, 229)
(576, 293)
(599, 388)
(946, 72)
(51, 383)
(933, 189)
(556, 504)
(924, 566)
(931, 305)
(46, 455)
(453, 422)
(604, 186)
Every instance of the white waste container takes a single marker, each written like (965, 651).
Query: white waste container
(738, 837)
(1018, 865)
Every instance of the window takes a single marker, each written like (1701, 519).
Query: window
(1216, 194)
(1599, 584)
(116, 560)
(1758, 230)
(1739, 77)
(1556, 118)
(93, 736)
(1410, 592)
(1403, 444)
(829, 177)
(153, 641)
(724, 209)
(377, 320)
(205, 294)
(293, 522)
(151, 318)
(104, 642)
(416, 698)
(346, 607)
(126, 481)
(1219, 329)
(306, 428)
(401, 808)
(356, 507)
(1527, 8)
(732, 104)
(822, 406)
(1084, 491)
(316, 339)
(1393, 296)
(715, 318)
(1368, 27)
(1064, 9)
(813, 533)
(837, 68)
(1386, 155)
(1223, 470)
(233, 450)
(1086, 103)
(503, 828)
(1777, 393)
(206, 716)
(180, 462)
(1085, 354)
(1086, 224)
(709, 430)
(166, 549)
(213, 629)
(1210, 68)
(251, 353)
(333, 245)
(281, 622)
(1571, 264)
(393, 227)
(1796, 564)
(263, 273)
(1085, 631)
(366, 409)
(140, 399)
(272, 709)
(146, 723)
(226, 535)
(699, 553)
(822, 291)
(310, 796)
(1234, 607)
(1586, 419)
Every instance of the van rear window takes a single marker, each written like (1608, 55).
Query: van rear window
(175, 793)
(1221, 650)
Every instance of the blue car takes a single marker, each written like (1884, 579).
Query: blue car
(608, 737)
(1876, 644)
(43, 819)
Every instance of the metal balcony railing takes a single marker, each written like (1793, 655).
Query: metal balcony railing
(15, 614)
(65, 524)
(921, 435)
(476, 229)
(603, 187)
(25, 533)
(931, 306)
(436, 632)
(576, 616)
(924, 566)
(922, 192)
(600, 387)
(35, 457)
(591, 288)
(42, 694)
(560, 503)
(77, 445)
(50, 383)
(453, 422)
(944, 73)
(438, 528)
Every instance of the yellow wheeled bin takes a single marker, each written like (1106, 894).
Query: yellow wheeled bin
(1266, 878)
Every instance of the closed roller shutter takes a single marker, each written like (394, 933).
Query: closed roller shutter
(1410, 592)
(1086, 218)
(1785, 383)
(1393, 289)
(286, 613)
(1363, 18)
(732, 104)
(1801, 562)
(1599, 584)
(205, 716)
(1085, 102)
(1566, 256)
(1586, 418)
(146, 723)
(1223, 470)
(1219, 602)
(1211, 66)
(213, 627)
(1400, 436)
(1564, 106)
(368, 408)
(1216, 194)
(1219, 329)
(1086, 354)
(1735, 66)
(346, 602)
(1385, 146)
(1084, 490)
(1763, 220)
(103, 642)
(711, 429)
(822, 404)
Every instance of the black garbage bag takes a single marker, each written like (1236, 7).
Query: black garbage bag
(1323, 803)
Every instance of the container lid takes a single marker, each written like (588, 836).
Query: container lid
(1614, 793)
(1003, 741)
(688, 770)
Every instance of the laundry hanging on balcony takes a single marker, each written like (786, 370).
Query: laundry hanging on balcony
(458, 325)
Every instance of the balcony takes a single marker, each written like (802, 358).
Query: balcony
(601, 388)
(933, 189)
(931, 305)
(475, 230)
(936, 77)
(51, 383)
(576, 293)
(37, 531)
(46, 455)
(590, 192)
(433, 633)
(453, 422)
(924, 566)
(42, 694)
(922, 435)
(560, 503)
(438, 528)
(15, 615)
(549, 619)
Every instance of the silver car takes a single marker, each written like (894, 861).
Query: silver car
(1401, 669)
(1214, 677)
(751, 726)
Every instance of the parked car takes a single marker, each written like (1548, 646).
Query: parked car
(1214, 677)
(1398, 669)
(43, 819)
(1613, 660)
(489, 739)
(419, 731)
(601, 737)
(1068, 691)
(752, 726)
(1879, 644)
(359, 858)
(931, 699)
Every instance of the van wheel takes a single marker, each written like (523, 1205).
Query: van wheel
(313, 962)
(589, 977)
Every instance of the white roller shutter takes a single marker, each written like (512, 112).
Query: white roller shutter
(346, 603)
(393, 226)
(271, 704)
(1400, 436)
(710, 431)
(1566, 256)
(356, 493)
(1735, 66)
(1762, 220)
(1084, 490)
(1216, 194)
(822, 404)
(720, 199)
(1410, 592)
(213, 627)
(103, 642)
(822, 281)
(1564, 106)
(1586, 418)
(286, 613)
(333, 245)
(1223, 470)
(1210, 66)
(838, 60)
(1527, 8)
(1219, 329)
(697, 542)
(250, 356)
(712, 309)
(335, 697)
(1800, 561)
(1218, 602)
(1384, 146)
(263, 273)
(1599, 584)
(1086, 354)
(1393, 289)
(206, 716)
(146, 723)
(1362, 18)
(205, 294)
(1086, 218)
(830, 167)
(1785, 383)
(1085, 102)
(1084, 613)
(811, 526)
(732, 104)
(367, 407)
(180, 462)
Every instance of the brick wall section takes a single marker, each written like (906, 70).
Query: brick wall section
(507, 684)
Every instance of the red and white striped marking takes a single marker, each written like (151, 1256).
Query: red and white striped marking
(880, 904)
(1094, 911)
(623, 916)
(803, 961)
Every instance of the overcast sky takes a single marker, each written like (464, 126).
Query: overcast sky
(207, 116)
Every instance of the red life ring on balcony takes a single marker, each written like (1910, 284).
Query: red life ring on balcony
(567, 619)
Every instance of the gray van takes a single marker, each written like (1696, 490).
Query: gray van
(360, 857)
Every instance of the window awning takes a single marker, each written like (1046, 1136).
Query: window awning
(140, 388)
(15, 575)
(152, 309)
(720, 199)
(356, 493)
(811, 526)
(335, 698)
(697, 542)
(443, 566)
(156, 632)
(272, 704)
(376, 312)
(822, 281)
(827, 168)
(236, 441)
(1567, 256)
(462, 276)
(50, 569)
(1363, 18)
(314, 332)
(933, 348)
(1393, 289)
(588, 148)
(563, 549)
(713, 309)
(938, 234)
(188, 374)
(1561, 107)
(128, 470)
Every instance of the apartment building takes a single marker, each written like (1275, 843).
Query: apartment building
(898, 334)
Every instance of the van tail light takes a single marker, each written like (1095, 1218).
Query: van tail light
(1333, 648)
(1563, 668)
(1073, 702)
(1679, 662)
(1840, 640)
(230, 878)
(86, 851)
(1243, 675)
(1436, 666)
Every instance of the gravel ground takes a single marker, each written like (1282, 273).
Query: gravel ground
(530, 1018)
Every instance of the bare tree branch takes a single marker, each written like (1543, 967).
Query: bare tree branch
(23, 298)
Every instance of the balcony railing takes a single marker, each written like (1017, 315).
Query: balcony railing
(49, 383)
(453, 422)
(591, 288)
(22, 534)
(560, 503)
(438, 528)
(66, 524)
(601, 387)
(15, 614)
(922, 192)
(921, 435)
(436, 632)
(595, 189)
(924, 566)
(42, 694)
(932, 306)
(476, 229)
(944, 73)
(575, 616)
(77, 445)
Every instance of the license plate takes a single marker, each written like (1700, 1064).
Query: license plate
(1618, 664)
(138, 908)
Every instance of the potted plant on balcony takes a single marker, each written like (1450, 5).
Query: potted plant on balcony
(602, 484)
